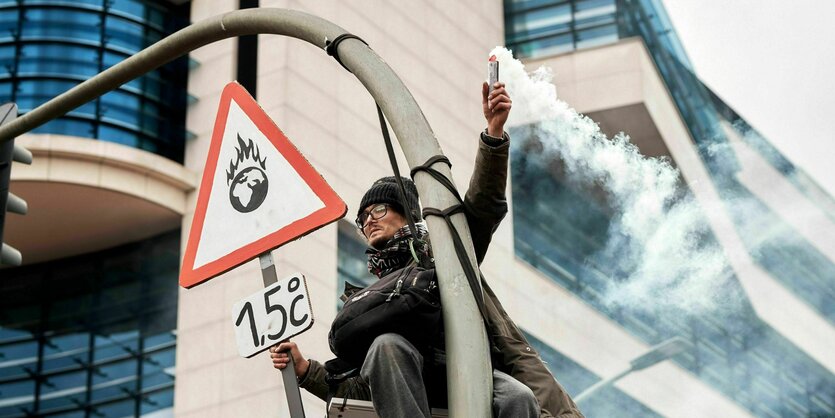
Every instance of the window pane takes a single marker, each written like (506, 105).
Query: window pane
(116, 410)
(597, 36)
(132, 7)
(119, 136)
(123, 107)
(158, 401)
(61, 23)
(54, 59)
(66, 352)
(65, 382)
(115, 345)
(8, 22)
(72, 127)
(6, 91)
(7, 61)
(114, 371)
(548, 46)
(33, 93)
(585, 9)
(541, 21)
(17, 397)
(129, 35)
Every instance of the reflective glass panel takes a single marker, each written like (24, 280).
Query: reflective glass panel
(58, 59)
(61, 23)
(157, 404)
(84, 129)
(8, 23)
(352, 265)
(116, 409)
(17, 397)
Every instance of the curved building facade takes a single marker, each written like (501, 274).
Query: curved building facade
(102, 346)
(48, 47)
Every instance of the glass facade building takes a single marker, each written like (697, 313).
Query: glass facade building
(561, 229)
(93, 335)
(352, 267)
(50, 46)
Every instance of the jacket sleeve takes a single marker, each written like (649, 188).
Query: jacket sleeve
(485, 203)
(314, 382)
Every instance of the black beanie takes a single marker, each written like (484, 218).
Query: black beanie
(385, 190)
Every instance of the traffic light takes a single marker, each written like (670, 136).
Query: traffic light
(9, 202)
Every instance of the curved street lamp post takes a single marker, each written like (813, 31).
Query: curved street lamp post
(655, 355)
(465, 334)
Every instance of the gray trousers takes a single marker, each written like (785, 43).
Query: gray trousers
(394, 369)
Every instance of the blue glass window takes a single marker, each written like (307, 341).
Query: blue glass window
(157, 369)
(69, 300)
(33, 93)
(352, 265)
(541, 22)
(66, 42)
(595, 36)
(74, 127)
(61, 23)
(58, 59)
(68, 351)
(123, 107)
(127, 34)
(115, 410)
(157, 401)
(119, 136)
(131, 7)
(8, 23)
(17, 397)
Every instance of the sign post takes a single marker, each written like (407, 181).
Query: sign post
(288, 375)
(257, 193)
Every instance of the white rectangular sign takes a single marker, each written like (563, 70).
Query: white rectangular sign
(273, 314)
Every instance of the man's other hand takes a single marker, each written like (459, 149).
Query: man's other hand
(280, 355)
(496, 108)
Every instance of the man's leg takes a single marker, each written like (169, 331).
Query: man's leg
(512, 399)
(393, 369)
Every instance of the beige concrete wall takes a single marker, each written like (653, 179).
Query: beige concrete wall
(439, 49)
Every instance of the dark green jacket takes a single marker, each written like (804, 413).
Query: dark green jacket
(485, 206)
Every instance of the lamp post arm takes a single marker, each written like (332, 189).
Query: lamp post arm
(591, 390)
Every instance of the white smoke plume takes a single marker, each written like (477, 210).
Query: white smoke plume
(657, 230)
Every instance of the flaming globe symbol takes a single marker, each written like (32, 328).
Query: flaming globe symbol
(246, 178)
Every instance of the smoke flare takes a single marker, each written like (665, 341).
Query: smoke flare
(657, 230)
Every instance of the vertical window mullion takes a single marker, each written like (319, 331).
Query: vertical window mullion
(105, 9)
(18, 47)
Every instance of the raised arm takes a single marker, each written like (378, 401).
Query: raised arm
(485, 202)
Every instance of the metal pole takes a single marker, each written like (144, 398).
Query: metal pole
(469, 373)
(656, 354)
(288, 375)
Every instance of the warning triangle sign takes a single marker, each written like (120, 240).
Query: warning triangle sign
(257, 193)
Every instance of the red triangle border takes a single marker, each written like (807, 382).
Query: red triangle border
(334, 209)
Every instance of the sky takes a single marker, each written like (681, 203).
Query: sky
(773, 62)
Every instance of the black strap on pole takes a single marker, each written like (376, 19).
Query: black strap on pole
(460, 250)
(331, 47)
(472, 277)
(410, 218)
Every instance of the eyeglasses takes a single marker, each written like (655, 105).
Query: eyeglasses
(376, 212)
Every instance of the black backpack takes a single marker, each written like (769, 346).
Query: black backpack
(405, 302)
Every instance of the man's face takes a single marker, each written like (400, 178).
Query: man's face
(380, 230)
